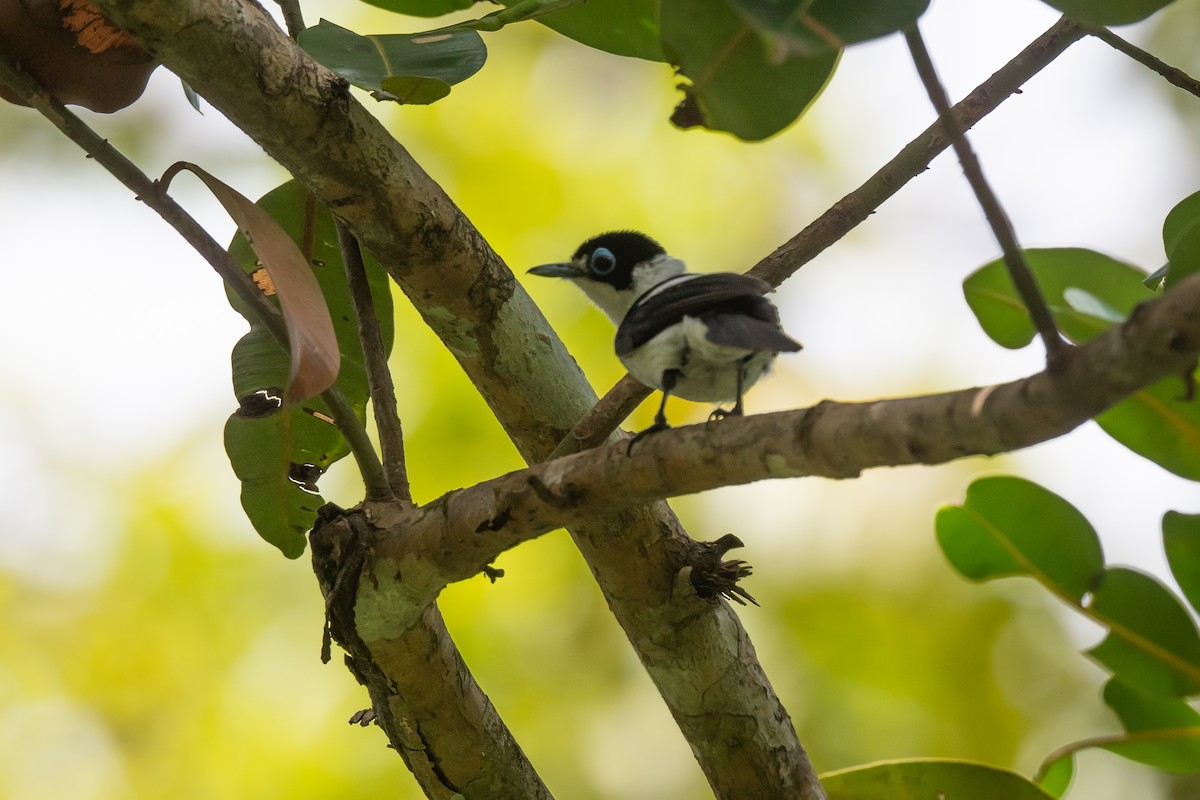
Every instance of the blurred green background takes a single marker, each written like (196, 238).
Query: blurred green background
(151, 646)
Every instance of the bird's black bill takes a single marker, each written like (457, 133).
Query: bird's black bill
(567, 270)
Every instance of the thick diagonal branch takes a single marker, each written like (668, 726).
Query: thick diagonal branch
(303, 116)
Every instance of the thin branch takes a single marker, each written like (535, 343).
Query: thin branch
(1173, 75)
(292, 16)
(997, 219)
(150, 193)
(379, 377)
(847, 213)
(1156, 735)
(1161, 339)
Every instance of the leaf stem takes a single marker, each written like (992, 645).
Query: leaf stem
(151, 193)
(1173, 75)
(379, 378)
(997, 219)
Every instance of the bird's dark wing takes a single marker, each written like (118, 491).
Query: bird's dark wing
(721, 293)
(749, 333)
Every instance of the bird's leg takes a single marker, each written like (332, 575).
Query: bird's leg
(669, 377)
(736, 411)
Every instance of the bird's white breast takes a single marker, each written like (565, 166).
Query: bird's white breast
(708, 371)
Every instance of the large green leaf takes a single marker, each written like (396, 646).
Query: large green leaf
(1181, 239)
(929, 780)
(621, 27)
(279, 451)
(1115, 285)
(422, 8)
(1164, 731)
(1152, 641)
(428, 63)
(1108, 12)
(1087, 293)
(1161, 424)
(735, 85)
(1181, 541)
(1011, 526)
(810, 27)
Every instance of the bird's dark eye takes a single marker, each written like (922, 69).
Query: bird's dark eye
(602, 261)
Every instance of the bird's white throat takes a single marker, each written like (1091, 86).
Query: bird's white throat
(616, 304)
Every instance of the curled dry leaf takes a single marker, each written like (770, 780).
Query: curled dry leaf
(315, 355)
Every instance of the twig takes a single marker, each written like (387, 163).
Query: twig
(379, 378)
(1173, 75)
(292, 16)
(997, 219)
(847, 213)
(150, 193)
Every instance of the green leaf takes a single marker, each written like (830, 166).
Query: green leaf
(422, 8)
(1160, 424)
(1181, 238)
(620, 27)
(1181, 541)
(1055, 777)
(825, 26)
(1152, 642)
(368, 62)
(927, 779)
(735, 85)
(1088, 292)
(1164, 731)
(1115, 285)
(274, 448)
(1108, 12)
(415, 91)
(1011, 526)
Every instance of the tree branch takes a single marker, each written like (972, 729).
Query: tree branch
(853, 209)
(379, 377)
(997, 219)
(461, 531)
(300, 113)
(1172, 75)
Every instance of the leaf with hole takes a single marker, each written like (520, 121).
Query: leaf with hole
(1152, 643)
(370, 62)
(278, 452)
(925, 779)
(735, 86)
(1010, 526)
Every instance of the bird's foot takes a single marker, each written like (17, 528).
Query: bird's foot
(658, 426)
(720, 413)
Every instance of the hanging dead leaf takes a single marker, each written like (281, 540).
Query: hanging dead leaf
(315, 356)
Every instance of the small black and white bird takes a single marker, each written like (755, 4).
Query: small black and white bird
(704, 337)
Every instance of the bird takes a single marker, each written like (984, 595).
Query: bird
(705, 337)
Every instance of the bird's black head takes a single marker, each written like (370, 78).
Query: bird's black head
(610, 257)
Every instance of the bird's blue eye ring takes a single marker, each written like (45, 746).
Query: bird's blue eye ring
(602, 261)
